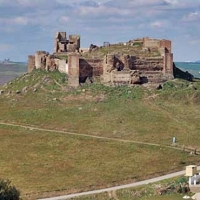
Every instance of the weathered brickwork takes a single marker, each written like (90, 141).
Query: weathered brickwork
(31, 63)
(114, 69)
(73, 69)
(91, 67)
(64, 44)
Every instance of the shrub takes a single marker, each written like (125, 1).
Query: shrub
(7, 191)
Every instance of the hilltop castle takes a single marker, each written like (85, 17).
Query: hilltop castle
(138, 61)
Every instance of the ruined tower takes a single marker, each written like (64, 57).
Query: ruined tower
(62, 44)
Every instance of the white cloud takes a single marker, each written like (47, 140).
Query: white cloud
(193, 16)
(172, 2)
(103, 11)
(194, 42)
(6, 47)
(19, 20)
(14, 21)
(36, 19)
(158, 24)
(64, 19)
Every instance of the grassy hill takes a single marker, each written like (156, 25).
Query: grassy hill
(59, 140)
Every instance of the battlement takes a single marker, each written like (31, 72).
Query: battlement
(62, 44)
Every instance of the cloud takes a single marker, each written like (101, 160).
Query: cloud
(6, 47)
(159, 24)
(193, 16)
(19, 20)
(171, 2)
(102, 11)
(64, 19)
(194, 42)
(36, 21)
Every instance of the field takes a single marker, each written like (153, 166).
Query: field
(59, 140)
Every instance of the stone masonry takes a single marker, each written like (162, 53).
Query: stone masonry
(112, 69)
(64, 44)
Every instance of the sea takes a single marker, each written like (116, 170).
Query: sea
(192, 67)
(11, 70)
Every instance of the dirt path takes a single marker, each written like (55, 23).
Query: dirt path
(90, 136)
(119, 187)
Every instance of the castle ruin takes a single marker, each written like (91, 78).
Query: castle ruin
(62, 44)
(138, 61)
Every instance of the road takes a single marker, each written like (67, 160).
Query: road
(160, 178)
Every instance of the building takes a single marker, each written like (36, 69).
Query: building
(138, 61)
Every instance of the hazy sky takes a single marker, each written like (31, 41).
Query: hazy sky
(30, 25)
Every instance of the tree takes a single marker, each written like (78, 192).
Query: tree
(7, 191)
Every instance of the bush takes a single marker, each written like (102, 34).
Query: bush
(7, 191)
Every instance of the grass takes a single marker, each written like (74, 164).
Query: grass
(39, 161)
(127, 197)
(147, 192)
(42, 162)
(135, 49)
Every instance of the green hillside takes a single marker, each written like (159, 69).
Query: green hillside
(94, 136)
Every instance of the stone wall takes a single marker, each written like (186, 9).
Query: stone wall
(90, 68)
(39, 59)
(157, 44)
(62, 66)
(168, 70)
(73, 69)
(31, 63)
(151, 43)
(116, 69)
(120, 77)
(64, 44)
(166, 44)
(146, 64)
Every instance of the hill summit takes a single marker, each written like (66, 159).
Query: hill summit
(137, 61)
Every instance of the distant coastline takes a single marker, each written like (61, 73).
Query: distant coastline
(11, 70)
(192, 67)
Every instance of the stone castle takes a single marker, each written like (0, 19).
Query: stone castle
(138, 61)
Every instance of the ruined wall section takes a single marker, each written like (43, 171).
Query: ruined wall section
(166, 44)
(73, 69)
(168, 70)
(146, 64)
(64, 44)
(39, 62)
(91, 67)
(74, 43)
(31, 63)
(127, 69)
(151, 43)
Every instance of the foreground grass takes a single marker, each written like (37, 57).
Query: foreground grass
(106, 197)
(39, 162)
(146, 192)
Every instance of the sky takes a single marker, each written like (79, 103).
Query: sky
(27, 26)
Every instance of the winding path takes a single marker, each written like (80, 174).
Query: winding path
(90, 136)
(160, 178)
